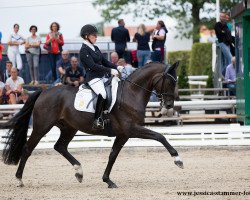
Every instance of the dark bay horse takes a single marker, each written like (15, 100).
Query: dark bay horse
(55, 107)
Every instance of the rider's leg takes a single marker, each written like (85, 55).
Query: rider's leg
(97, 86)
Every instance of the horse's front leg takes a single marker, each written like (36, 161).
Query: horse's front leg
(144, 133)
(117, 146)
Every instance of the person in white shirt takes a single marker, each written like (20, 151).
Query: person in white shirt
(14, 86)
(13, 48)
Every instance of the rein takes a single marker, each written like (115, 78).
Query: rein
(160, 96)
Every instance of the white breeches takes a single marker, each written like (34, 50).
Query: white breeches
(15, 58)
(97, 84)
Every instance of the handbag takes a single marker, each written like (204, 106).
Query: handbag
(47, 46)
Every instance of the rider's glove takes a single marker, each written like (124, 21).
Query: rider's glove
(120, 68)
(114, 72)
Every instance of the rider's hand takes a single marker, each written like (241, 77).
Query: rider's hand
(120, 68)
(114, 72)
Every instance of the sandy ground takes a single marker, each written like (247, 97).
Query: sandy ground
(140, 173)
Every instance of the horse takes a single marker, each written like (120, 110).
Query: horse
(55, 107)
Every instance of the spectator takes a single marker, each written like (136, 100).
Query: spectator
(120, 36)
(114, 57)
(230, 77)
(225, 39)
(1, 37)
(32, 49)
(2, 86)
(54, 43)
(158, 44)
(7, 72)
(143, 51)
(23, 97)
(74, 74)
(13, 48)
(127, 68)
(61, 66)
(1, 54)
(14, 86)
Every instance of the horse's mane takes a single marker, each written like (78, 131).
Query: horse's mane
(138, 70)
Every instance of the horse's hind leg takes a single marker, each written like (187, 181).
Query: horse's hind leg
(67, 134)
(26, 152)
(117, 146)
(141, 132)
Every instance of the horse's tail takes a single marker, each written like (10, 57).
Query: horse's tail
(18, 129)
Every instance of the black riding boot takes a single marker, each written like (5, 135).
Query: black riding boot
(98, 123)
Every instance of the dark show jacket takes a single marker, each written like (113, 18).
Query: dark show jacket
(95, 64)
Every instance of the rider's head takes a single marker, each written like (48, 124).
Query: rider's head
(89, 33)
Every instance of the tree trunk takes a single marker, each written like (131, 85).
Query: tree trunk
(196, 20)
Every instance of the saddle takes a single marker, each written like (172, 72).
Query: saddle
(86, 98)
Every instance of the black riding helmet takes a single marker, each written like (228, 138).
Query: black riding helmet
(87, 30)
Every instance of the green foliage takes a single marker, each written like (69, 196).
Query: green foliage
(183, 56)
(186, 12)
(182, 71)
(201, 59)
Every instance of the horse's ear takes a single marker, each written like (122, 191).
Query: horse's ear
(172, 69)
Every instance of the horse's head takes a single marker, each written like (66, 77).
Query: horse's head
(165, 86)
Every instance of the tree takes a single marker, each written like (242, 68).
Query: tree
(188, 13)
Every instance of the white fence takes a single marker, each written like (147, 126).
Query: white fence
(201, 135)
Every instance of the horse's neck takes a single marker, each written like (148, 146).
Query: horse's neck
(137, 91)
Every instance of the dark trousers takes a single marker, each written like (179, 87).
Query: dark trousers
(53, 59)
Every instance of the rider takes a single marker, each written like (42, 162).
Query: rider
(97, 68)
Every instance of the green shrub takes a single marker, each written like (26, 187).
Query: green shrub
(182, 71)
(200, 59)
(183, 56)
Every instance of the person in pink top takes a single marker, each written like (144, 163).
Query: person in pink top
(54, 43)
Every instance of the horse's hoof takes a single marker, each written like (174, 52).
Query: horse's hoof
(20, 183)
(79, 177)
(112, 185)
(179, 163)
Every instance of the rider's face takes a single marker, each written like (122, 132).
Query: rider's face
(93, 38)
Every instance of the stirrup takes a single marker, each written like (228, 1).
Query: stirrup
(98, 123)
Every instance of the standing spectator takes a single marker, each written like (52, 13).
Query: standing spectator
(127, 68)
(32, 47)
(143, 51)
(1, 54)
(14, 86)
(230, 77)
(61, 66)
(158, 44)
(114, 57)
(120, 36)
(54, 43)
(74, 74)
(1, 37)
(225, 39)
(13, 48)
(7, 71)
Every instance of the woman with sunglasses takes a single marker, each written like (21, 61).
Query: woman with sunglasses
(97, 69)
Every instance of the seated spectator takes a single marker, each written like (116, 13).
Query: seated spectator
(230, 77)
(127, 70)
(74, 74)
(61, 67)
(14, 86)
(114, 57)
(23, 97)
(2, 86)
(7, 71)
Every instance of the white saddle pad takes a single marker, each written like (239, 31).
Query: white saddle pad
(84, 98)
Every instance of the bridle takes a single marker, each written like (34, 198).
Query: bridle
(163, 77)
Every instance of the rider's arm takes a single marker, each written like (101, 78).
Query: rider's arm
(87, 61)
